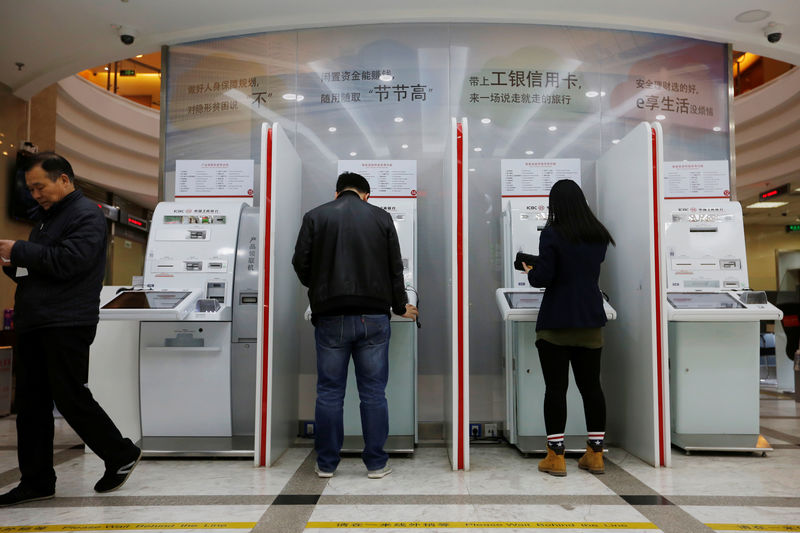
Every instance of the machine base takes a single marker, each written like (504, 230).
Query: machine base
(720, 442)
(538, 443)
(394, 444)
(238, 446)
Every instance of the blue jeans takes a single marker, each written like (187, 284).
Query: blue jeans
(366, 337)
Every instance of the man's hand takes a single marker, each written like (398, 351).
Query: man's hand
(411, 312)
(5, 251)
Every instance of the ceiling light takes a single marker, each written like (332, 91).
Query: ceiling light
(477, 149)
(528, 152)
(717, 128)
(398, 119)
(353, 154)
(660, 117)
(766, 205)
(592, 94)
(552, 128)
(754, 15)
(292, 96)
(105, 68)
(615, 141)
(5, 153)
(602, 93)
(486, 120)
(332, 129)
(404, 146)
(386, 77)
(472, 170)
(140, 55)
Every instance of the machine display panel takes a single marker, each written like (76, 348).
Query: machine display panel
(147, 300)
(703, 300)
(524, 300)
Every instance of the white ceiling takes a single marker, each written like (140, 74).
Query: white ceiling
(56, 38)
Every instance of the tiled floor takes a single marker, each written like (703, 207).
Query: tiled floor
(502, 492)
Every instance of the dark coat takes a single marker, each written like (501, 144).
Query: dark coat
(570, 272)
(348, 255)
(65, 256)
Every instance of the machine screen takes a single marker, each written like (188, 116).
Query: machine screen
(524, 300)
(703, 300)
(147, 300)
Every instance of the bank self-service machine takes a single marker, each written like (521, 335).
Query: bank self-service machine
(713, 327)
(524, 217)
(197, 329)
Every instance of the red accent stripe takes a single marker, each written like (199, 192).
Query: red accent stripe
(413, 197)
(525, 196)
(267, 209)
(460, 289)
(233, 196)
(697, 198)
(659, 354)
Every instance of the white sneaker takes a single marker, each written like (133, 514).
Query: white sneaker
(381, 473)
(320, 473)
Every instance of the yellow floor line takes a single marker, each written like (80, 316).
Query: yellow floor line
(481, 525)
(129, 527)
(386, 525)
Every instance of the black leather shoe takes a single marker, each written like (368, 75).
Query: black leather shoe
(21, 494)
(116, 477)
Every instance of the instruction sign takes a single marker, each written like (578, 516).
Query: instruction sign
(388, 178)
(696, 179)
(535, 177)
(214, 178)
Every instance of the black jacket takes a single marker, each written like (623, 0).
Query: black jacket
(348, 255)
(65, 256)
(569, 271)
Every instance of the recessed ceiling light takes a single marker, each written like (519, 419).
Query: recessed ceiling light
(5, 153)
(353, 154)
(386, 77)
(528, 152)
(552, 128)
(477, 149)
(717, 128)
(403, 146)
(615, 141)
(332, 129)
(754, 15)
(472, 170)
(140, 55)
(295, 97)
(398, 119)
(602, 93)
(486, 120)
(660, 117)
(105, 68)
(766, 205)
(592, 94)
(300, 97)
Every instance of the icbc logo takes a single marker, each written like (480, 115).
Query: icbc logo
(250, 192)
(726, 193)
(413, 192)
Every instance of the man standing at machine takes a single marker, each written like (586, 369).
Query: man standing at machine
(59, 273)
(348, 255)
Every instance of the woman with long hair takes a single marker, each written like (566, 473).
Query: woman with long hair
(569, 328)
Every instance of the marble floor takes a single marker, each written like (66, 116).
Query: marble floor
(503, 491)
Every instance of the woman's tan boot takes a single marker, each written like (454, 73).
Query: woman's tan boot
(553, 464)
(592, 461)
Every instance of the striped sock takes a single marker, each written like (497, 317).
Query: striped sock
(595, 440)
(556, 443)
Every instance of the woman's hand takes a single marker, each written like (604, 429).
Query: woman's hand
(526, 267)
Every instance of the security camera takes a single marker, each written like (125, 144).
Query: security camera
(773, 31)
(127, 34)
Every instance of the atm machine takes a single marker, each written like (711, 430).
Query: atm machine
(401, 390)
(519, 303)
(713, 327)
(197, 329)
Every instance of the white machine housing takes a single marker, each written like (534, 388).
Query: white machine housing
(524, 220)
(522, 305)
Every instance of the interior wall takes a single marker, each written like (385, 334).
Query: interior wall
(762, 242)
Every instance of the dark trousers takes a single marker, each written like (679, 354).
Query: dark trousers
(54, 368)
(366, 339)
(585, 362)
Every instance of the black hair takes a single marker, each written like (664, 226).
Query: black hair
(53, 164)
(571, 216)
(351, 180)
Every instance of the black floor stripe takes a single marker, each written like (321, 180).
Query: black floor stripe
(75, 450)
(779, 417)
(647, 499)
(769, 432)
(296, 499)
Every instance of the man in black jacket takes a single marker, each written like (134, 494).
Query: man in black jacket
(348, 255)
(59, 273)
